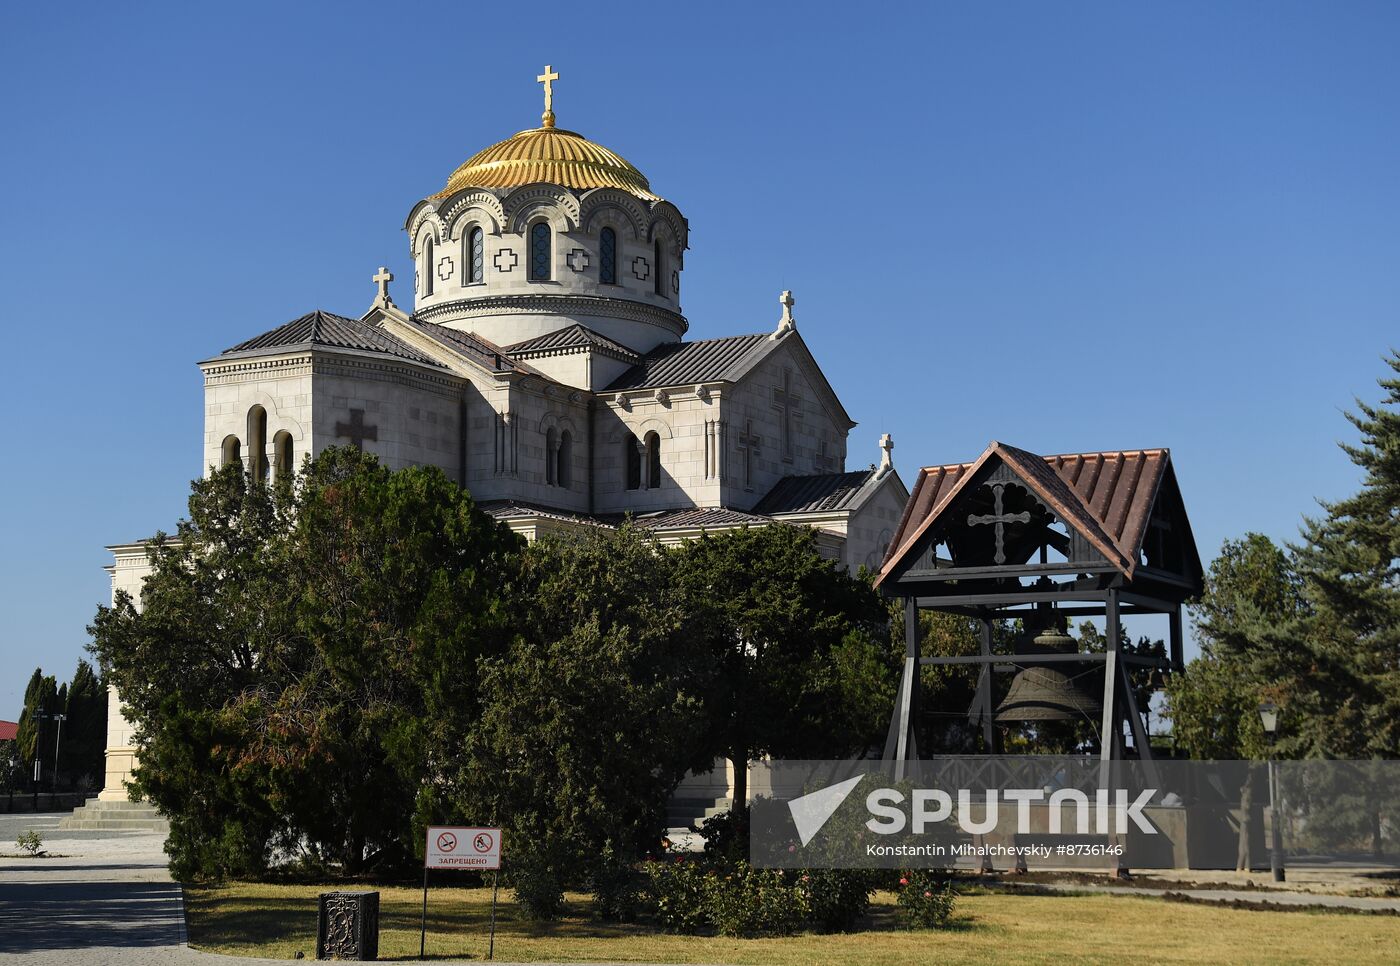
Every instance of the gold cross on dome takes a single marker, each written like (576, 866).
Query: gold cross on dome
(547, 79)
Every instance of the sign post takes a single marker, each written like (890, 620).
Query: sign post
(461, 847)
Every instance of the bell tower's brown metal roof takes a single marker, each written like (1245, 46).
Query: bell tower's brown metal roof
(1109, 496)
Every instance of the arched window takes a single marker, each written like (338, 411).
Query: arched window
(660, 269)
(282, 452)
(607, 257)
(632, 453)
(474, 257)
(551, 445)
(232, 451)
(428, 267)
(653, 447)
(257, 442)
(564, 475)
(541, 257)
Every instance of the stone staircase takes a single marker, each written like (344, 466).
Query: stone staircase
(97, 815)
(691, 813)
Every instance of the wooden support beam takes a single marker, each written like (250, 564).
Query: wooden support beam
(984, 690)
(1107, 743)
(1178, 652)
(901, 745)
(1139, 728)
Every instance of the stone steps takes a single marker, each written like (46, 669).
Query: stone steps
(691, 813)
(98, 815)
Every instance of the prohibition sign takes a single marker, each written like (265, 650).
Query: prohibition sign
(447, 841)
(482, 842)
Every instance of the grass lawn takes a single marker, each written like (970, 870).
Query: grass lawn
(276, 921)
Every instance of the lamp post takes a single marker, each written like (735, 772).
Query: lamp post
(58, 720)
(1268, 717)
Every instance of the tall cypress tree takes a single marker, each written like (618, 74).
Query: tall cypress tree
(40, 699)
(1350, 564)
(85, 731)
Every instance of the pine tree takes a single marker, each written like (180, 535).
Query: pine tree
(1350, 564)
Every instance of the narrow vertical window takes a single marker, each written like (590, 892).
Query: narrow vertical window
(257, 443)
(653, 447)
(282, 450)
(551, 444)
(540, 255)
(607, 257)
(564, 475)
(232, 451)
(428, 267)
(474, 256)
(660, 270)
(632, 452)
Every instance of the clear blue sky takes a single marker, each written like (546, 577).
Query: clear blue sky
(1066, 226)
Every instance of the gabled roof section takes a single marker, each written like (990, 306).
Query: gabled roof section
(818, 493)
(468, 346)
(320, 328)
(702, 517)
(575, 336)
(682, 363)
(1108, 496)
(505, 510)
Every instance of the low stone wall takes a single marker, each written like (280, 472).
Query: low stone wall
(43, 801)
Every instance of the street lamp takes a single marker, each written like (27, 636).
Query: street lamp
(1268, 717)
(58, 719)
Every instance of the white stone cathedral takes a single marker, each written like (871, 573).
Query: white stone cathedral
(544, 365)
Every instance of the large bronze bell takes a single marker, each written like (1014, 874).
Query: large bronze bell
(1045, 693)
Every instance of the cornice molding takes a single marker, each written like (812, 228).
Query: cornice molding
(608, 308)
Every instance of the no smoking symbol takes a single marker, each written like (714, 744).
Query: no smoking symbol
(447, 842)
(482, 842)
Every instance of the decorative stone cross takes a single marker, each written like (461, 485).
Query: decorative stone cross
(547, 79)
(787, 323)
(789, 404)
(887, 452)
(749, 445)
(1000, 519)
(382, 280)
(356, 430)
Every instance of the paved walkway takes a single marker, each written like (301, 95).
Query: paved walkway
(100, 899)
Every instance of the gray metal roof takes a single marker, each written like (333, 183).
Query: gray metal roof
(814, 494)
(682, 363)
(320, 328)
(515, 510)
(574, 337)
(699, 517)
(469, 346)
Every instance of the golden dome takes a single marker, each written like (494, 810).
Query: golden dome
(548, 154)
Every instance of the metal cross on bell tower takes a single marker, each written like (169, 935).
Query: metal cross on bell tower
(999, 518)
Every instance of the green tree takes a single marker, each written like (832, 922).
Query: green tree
(213, 628)
(81, 757)
(305, 659)
(589, 721)
(1248, 622)
(783, 627)
(40, 701)
(1349, 562)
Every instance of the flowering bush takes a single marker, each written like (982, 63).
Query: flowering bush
(748, 902)
(677, 889)
(923, 902)
(836, 898)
